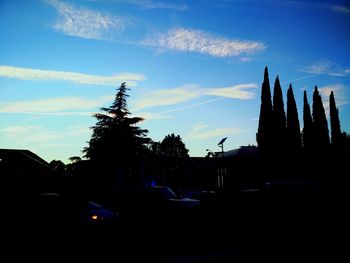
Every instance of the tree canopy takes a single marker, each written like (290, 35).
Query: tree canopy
(115, 136)
(335, 122)
(320, 122)
(264, 135)
(308, 130)
(171, 146)
(280, 132)
(293, 126)
(279, 117)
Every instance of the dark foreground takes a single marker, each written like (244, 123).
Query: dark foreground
(251, 226)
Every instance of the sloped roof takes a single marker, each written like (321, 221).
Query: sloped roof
(241, 151)
(22, 159)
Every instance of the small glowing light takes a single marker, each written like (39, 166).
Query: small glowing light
(94, 217)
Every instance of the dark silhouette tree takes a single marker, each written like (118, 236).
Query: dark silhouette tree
(115, 133)
(74, 159)
(57, 166)
(336, 135)
(264, 134)
(320, 122)
(75, 166)
(346, 140)
(279, 118)
(170, 157)
(293, 126)
(155, 148)
(308, 130)
(172, 146)
(116, 140)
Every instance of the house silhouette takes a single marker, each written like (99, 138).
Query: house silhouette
(23, 170)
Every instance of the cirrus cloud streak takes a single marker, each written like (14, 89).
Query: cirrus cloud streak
(339, 91)
(55, 106)
(30, 134)
(86, 23)
(74, 77)
(201, 131)
(326, 67)
(190, 40)
(188, 92)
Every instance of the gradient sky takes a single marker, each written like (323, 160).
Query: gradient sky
(194, 68)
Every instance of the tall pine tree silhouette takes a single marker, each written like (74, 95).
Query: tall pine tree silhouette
(264, 134)
(116, 141)
(335, 123)
(308, 130)
(293, 126)
(279, 118)
(320, 122)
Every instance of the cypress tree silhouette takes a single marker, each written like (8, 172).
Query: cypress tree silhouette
(116, 140)
(336, 135)
(308, 130)
(293, 126)
(279, 118)
(320, 122)
(264, 134)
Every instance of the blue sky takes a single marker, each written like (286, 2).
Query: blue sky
(194, 68)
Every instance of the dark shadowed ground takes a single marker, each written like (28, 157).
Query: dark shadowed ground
(277, 224)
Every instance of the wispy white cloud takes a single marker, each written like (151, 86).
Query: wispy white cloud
(326, 90)
(235, 92)
(313, 5)
(24, 135)
(167, 96)
(35, 114)
(316, 5)
(149, 4)
(79, 78)
(189, 40)
(188, 92)
(61, 113)
(309, 5)
(165, 114)
(86, 23)
(297, 79)
(77, 130)
(153, 116)
(190, 106)
(55, 106)
(340, 9)
(199, 127)
(201, 131)
(339, 91)
(245, 59)
(291, 4)
(326, 67)
(58, 145)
